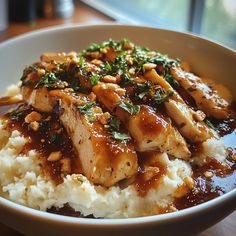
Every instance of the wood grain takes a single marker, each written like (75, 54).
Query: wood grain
(85, 14)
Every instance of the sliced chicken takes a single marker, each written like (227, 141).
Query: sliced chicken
(207, 99)
(151, 130)
(104, 160)
(189, 123)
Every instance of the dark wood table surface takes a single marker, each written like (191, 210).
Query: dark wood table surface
(86, 15)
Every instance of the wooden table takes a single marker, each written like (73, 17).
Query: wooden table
(84, 14)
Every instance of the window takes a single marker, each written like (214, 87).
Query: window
(215, 19)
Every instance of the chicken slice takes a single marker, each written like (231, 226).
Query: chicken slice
(151, 130)
(189, 123)
(207, 99)
(104, 160)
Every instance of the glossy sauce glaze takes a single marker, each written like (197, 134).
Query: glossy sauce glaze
(50, 137)
(210, 181)
(214, 179)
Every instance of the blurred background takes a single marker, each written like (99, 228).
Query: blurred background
(214, 19)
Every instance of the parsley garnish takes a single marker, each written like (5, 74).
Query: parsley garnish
(54, 138)
(141, 90)
(28, 70)
(161, 97)
(94, 79)
(169, 78)
(16, 114)
(85, 108)
(49, 80)
(114, 123)
(129, 107)
(120, 136)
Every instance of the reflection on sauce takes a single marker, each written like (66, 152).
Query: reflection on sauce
(207, 188)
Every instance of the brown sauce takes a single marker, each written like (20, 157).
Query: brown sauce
(46, 141)
(143, 182)
(50, 137)
(207, 188)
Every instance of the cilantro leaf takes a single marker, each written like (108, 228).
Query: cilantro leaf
(141, 90)
(120, 136)
(85, 108)
(129, 107)
(160, 98)
(94, 79)
(114, 123)
(49, 80)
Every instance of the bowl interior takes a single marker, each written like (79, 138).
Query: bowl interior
(206, 58)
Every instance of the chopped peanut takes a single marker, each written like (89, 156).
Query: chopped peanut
(208, 174)
(109, 79)
(120, 91)
(92, 96)
(33, 116)
(69, 90)
(41, 72)
(104, 50)
(149, 66)
(95, 55)
(132, 71)
(66, 167)
(104, 118)
(34, 125)
(151, 54)
(189, 182)
(55, 156)
(128, 45)
(129, 59)
(96, 62)
(72, 54)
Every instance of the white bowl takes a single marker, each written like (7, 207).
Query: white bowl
(205, 57)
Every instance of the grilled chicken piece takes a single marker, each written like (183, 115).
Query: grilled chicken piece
(104, 161)
(151, 131)
(207, 99)
(39, 98)
(190, 123)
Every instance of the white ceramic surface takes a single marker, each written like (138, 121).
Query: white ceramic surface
(206, 58)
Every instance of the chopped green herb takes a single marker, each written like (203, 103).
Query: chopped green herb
(54, 138)
(169, 78)
(114, 123)
(28, 70)
(107, 66)
(16, 114)
(161, 97)
(141, 90)
(94, 79)
(85, 108)
(82, 62)
(49, 80)
(129, 107)
(191, 89)
(120, 136)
